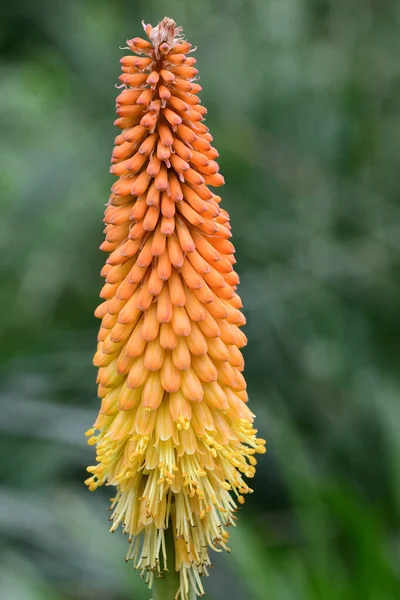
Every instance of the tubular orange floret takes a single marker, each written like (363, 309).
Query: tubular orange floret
(174, 434)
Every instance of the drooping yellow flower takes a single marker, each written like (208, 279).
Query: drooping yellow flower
(174, 434)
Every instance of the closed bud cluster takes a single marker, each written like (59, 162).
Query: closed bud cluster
(174, 433)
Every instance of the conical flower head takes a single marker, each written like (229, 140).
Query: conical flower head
(174, 434)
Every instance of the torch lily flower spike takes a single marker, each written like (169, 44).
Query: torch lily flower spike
(174, 434)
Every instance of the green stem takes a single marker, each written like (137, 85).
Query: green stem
(166, 587)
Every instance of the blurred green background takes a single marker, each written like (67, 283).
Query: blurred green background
(304, 105)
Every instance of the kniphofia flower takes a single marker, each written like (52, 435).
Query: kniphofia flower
(174, 433)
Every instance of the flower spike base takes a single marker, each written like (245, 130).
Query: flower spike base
(174, 434)
(166, 585)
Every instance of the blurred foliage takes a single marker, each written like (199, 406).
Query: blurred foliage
(304, 105)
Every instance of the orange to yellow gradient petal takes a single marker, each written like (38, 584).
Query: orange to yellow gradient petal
(174, 433)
